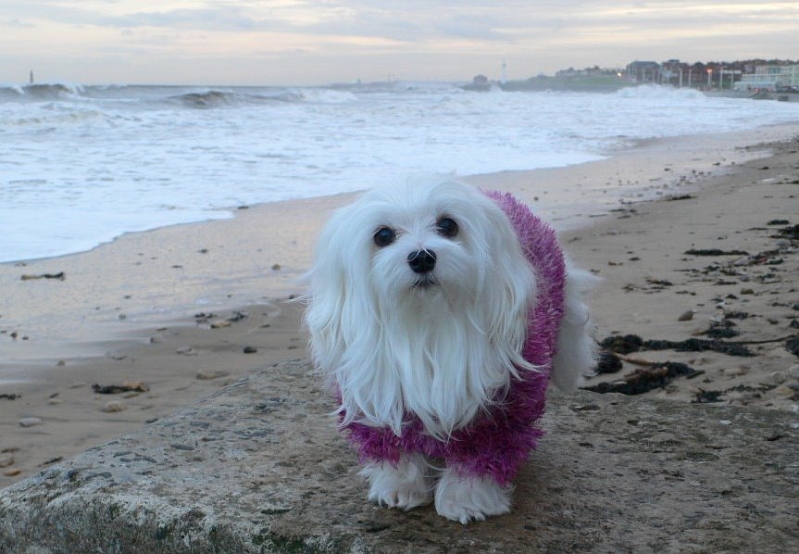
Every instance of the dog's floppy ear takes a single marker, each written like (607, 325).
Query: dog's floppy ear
(510, 284)
(338, 279)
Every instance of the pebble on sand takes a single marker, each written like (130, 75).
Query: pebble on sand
(735, 371)
(30, 421)
(114, 406)
(686, 316)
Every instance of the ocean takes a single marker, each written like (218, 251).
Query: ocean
(81, 165)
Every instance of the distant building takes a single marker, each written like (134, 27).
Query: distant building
(644, 72)
(479, 83)
(675, 72)
(770, 77)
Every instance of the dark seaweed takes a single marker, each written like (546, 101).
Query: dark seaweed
(715, 252)
(646, 379)
(707, 397)
(608, 363)
(792, 345)
(791, 232)
(633, 343)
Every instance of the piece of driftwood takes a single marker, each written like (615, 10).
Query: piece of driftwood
(60, 276)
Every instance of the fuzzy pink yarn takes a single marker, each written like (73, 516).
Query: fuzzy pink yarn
(496, 444)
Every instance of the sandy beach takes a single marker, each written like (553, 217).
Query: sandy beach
(159, 319)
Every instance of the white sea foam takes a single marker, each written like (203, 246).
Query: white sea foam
(82, 165)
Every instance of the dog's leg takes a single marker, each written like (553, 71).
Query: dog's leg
(408, 485)
(466, 498)
(577, 350)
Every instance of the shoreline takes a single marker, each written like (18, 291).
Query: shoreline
(185, 309)
(159, 291)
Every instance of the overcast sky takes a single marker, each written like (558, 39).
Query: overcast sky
(284, 42)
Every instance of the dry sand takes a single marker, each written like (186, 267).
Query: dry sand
(179, 312)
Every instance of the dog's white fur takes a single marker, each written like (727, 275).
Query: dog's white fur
(393, 343)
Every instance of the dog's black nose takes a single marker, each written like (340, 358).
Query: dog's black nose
(422, 261)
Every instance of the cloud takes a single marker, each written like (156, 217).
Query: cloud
(17, 24)
(442, 38)
(228, 18)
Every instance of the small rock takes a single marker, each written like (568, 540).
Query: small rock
(206, 375)
(250, 350)
(776, 378)
(734, 371)
(11, 472)
(793, 371)
(275, 267)
(686, 316)
(220, 324)
(784, 391)
(187, 351)
(30, 421)
(6, 460)
(114, 406)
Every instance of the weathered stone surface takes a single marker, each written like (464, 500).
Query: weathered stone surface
(259, 468)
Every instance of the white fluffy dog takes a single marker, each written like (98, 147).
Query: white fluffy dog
(437, 312)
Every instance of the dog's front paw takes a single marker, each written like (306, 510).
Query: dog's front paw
(406, 486)
(470, 498)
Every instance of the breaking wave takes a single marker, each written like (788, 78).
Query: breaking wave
(42, 91)
(660, 92)
(188, 97)
(206, 100)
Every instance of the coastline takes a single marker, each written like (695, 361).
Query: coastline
(143, 279)
(130, 310)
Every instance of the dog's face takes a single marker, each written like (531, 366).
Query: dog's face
(416, 242)
(421, 239)
(424, 243)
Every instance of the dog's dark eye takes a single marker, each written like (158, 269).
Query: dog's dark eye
(447, 227)
(384, 236)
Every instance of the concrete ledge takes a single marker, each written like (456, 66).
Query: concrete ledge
(258, 467)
